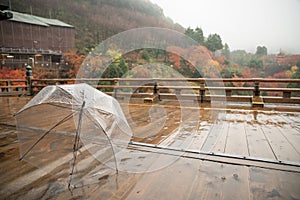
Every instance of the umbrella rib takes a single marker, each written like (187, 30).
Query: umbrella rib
(113, 151)
(57, 124)
(76, 144)
(52, 104)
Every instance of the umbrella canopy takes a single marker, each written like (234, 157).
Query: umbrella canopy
(62, 119)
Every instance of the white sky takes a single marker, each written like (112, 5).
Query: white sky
(242, 24)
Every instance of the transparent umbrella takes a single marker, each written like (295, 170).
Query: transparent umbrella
(62, 120)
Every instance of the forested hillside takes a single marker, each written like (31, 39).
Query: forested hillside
(96, 20)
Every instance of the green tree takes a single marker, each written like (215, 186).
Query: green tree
(214, 42)
(296, 75)
(113, 71)
(196, 34)
(261, 50)
(145, 55)
(256, 63)
(226, 51)
(240, 57)
(123, 67)
(298, 64)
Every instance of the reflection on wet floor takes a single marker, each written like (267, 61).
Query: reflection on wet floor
(263, 134)
(173, 172)
(266, 133)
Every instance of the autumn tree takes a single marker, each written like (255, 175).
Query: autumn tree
(296, 75)
(74, 59)
(7, 73)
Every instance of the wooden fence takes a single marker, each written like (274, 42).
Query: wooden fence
(201, 89)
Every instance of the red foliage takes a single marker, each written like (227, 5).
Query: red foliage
(75, 59)
(281, 75)
(6, 73)
(174, 55)
(250, 72)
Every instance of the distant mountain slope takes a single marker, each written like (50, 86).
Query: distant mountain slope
(96, 20)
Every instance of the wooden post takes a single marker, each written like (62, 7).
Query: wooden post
(257, 101)
(256, 92)
(116, 83)
(29, 80)
(287, 94)
(228, 93)
(202, 91)
(155, 90)
(9, 89)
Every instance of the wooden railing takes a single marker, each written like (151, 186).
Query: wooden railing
(9, 87)
(201, 89)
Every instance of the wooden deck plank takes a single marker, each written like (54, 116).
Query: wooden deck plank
(162, 184)
(258, 144)
(236, 139)
(26, 179)
(189, 177)
(200, 136)
(194, 180)
(224, 182)
(187, 135)
(279, 144)
(292, 135)
(292, 119)
(203, 129)
(183, 137)
(212, 137)
(270, 184)
(236, 183)
(220, 145)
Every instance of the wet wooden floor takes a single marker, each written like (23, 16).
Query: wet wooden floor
(179, 151)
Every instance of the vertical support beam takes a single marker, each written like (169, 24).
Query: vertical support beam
(287, 94)
(257, 101)
(228, 93)
(29, 80)
(9, 88)
(256, 92)
(202, 91)
(116, 84)
(155, 89)
(155, 92)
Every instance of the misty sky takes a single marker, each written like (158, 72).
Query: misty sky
(242, 24)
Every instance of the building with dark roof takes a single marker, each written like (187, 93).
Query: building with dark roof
(25, 38)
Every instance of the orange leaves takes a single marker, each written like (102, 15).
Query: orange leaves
(175, 56)
(6, 73)
(194, 59)
(75, 60)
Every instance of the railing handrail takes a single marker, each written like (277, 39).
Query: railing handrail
(166, 87)
(171, 79)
